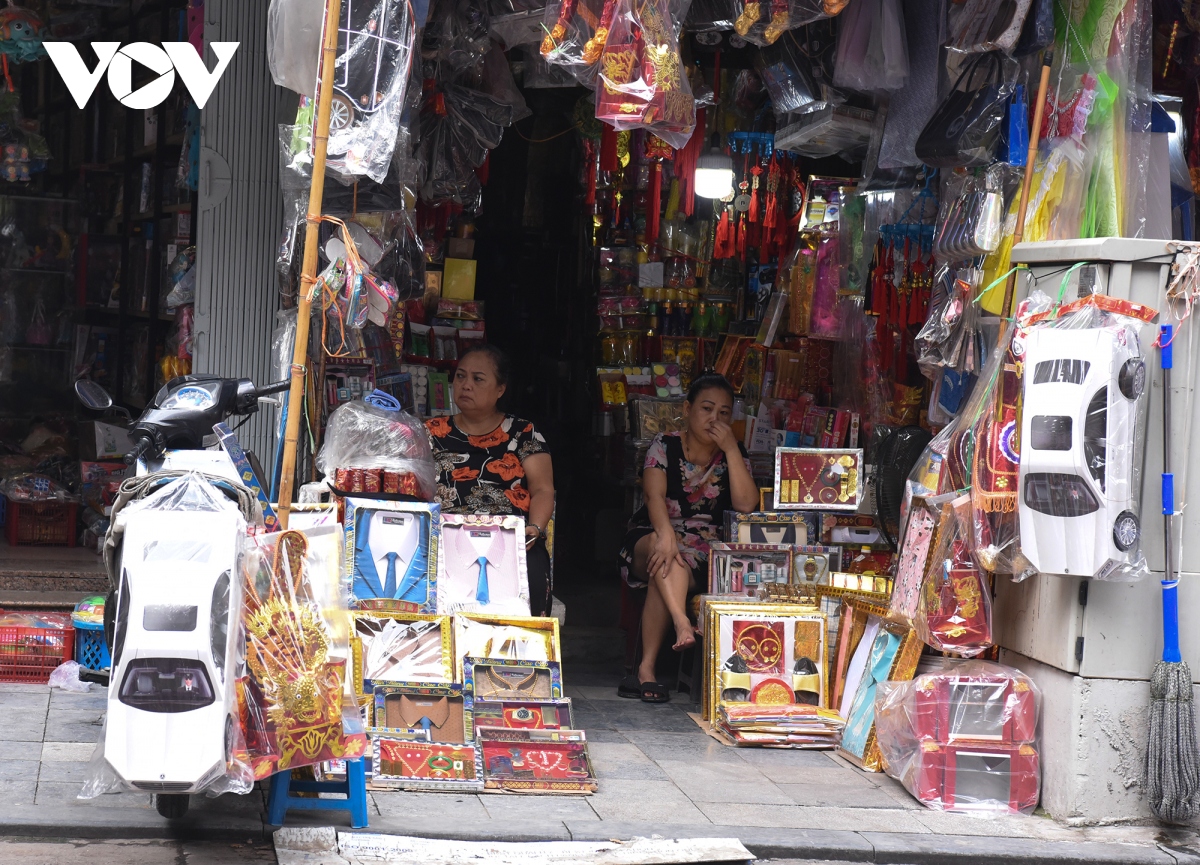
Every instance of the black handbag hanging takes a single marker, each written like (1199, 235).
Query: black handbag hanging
(965, 129)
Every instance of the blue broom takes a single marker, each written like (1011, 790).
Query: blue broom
(1172, 757)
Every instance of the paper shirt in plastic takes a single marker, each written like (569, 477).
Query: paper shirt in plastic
(297, 652)
(1083, 429)
(964, 739)
(392, 553)
(483, 566)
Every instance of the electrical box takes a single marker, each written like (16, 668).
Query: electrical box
(1091, 627)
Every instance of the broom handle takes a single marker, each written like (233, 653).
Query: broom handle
(316, 192)
(1035, 134)
(1170, 585)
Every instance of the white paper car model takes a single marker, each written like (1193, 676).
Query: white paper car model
(175, 655)
(1079, 409)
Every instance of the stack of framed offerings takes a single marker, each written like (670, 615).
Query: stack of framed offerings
(761, 658)
(424, 739)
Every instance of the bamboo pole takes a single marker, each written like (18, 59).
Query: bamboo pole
(1035, 134)
(308, 278)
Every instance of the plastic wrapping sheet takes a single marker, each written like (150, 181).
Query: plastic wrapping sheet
(297, 652)
(911, 106)
(294, 43)
(177, 648)
(283, 343)
(361, 436)
(954, 608)
(1083, 425)
(712, 16)
(458, 128)
(948, 341)
(964, 739)
(34, 487)
(375, 54)
(763, 23)
(515, 29)
(786, 73)
(642, 82)
(498, 83)
(872, 51)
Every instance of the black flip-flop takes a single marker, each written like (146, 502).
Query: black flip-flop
(630, 688)
(653, 692)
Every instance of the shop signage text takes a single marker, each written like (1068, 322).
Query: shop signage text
(164, 61)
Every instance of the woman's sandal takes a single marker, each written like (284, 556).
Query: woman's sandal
(653, 692)
(630, 688)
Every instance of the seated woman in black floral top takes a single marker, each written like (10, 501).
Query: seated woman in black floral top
(689, 480)
(489, 462)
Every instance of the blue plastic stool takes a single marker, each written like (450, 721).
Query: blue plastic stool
(354, 788)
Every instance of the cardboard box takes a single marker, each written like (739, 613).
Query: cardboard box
(103, 441)
(459, 247)
(458, 279)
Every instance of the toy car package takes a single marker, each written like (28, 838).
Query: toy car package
(1083, 426)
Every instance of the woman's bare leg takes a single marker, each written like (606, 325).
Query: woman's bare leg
(665, 602)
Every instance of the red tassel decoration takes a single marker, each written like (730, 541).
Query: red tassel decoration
(608, 149)
(741, 237)
(685, 166)
(589, 169)
(653, 203)
(753, 213)
(723, 244)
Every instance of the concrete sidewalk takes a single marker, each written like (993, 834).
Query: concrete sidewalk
(658, 773)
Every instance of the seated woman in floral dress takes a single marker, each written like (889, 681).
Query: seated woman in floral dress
(689, 480)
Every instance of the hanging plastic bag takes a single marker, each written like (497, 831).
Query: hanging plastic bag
(38, 332)
(872, 52)
(294, 43)
(985, 25)
(373, 64)
(954, 612)
(576, 33)
(643, 83)
(297, 652)
(1038, 32)
(786, 73)
(1083, 429)
(762, 23)
(963, 739)
(965, 129)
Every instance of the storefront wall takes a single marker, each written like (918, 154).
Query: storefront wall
(241, 212)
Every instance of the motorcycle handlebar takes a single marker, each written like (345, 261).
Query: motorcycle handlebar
(277, 387)
(144, 445)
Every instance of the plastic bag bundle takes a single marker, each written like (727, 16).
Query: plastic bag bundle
(294, 43)
(458, 128)
(954, 610)
(762, 23)
(297, 646)
(1083, 424)
(362, 436)
(375, 55)
(972, 225)
(787, 74)
(34, 487)
(963, 739)
(872, 51)
(643, 83)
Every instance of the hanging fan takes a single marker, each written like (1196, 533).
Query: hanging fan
(894, 460)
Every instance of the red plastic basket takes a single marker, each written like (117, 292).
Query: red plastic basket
(31, 654)
(50, 524)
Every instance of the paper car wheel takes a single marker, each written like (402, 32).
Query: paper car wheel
(1126, 531)
(341, 113)
(1132, 378)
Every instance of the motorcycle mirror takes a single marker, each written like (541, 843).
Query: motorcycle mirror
(93, 395)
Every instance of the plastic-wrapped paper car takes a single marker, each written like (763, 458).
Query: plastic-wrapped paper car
(362, 436)
(963, 739)
(171, 724)
(1082, 431)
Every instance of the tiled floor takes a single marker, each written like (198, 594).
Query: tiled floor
(654, 765)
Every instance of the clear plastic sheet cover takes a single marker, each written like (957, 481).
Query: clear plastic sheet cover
(763, 23)
(965, 738)
(362, 436)
(954, 609)
(872, 49)
(910, 107)
(374, 59)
